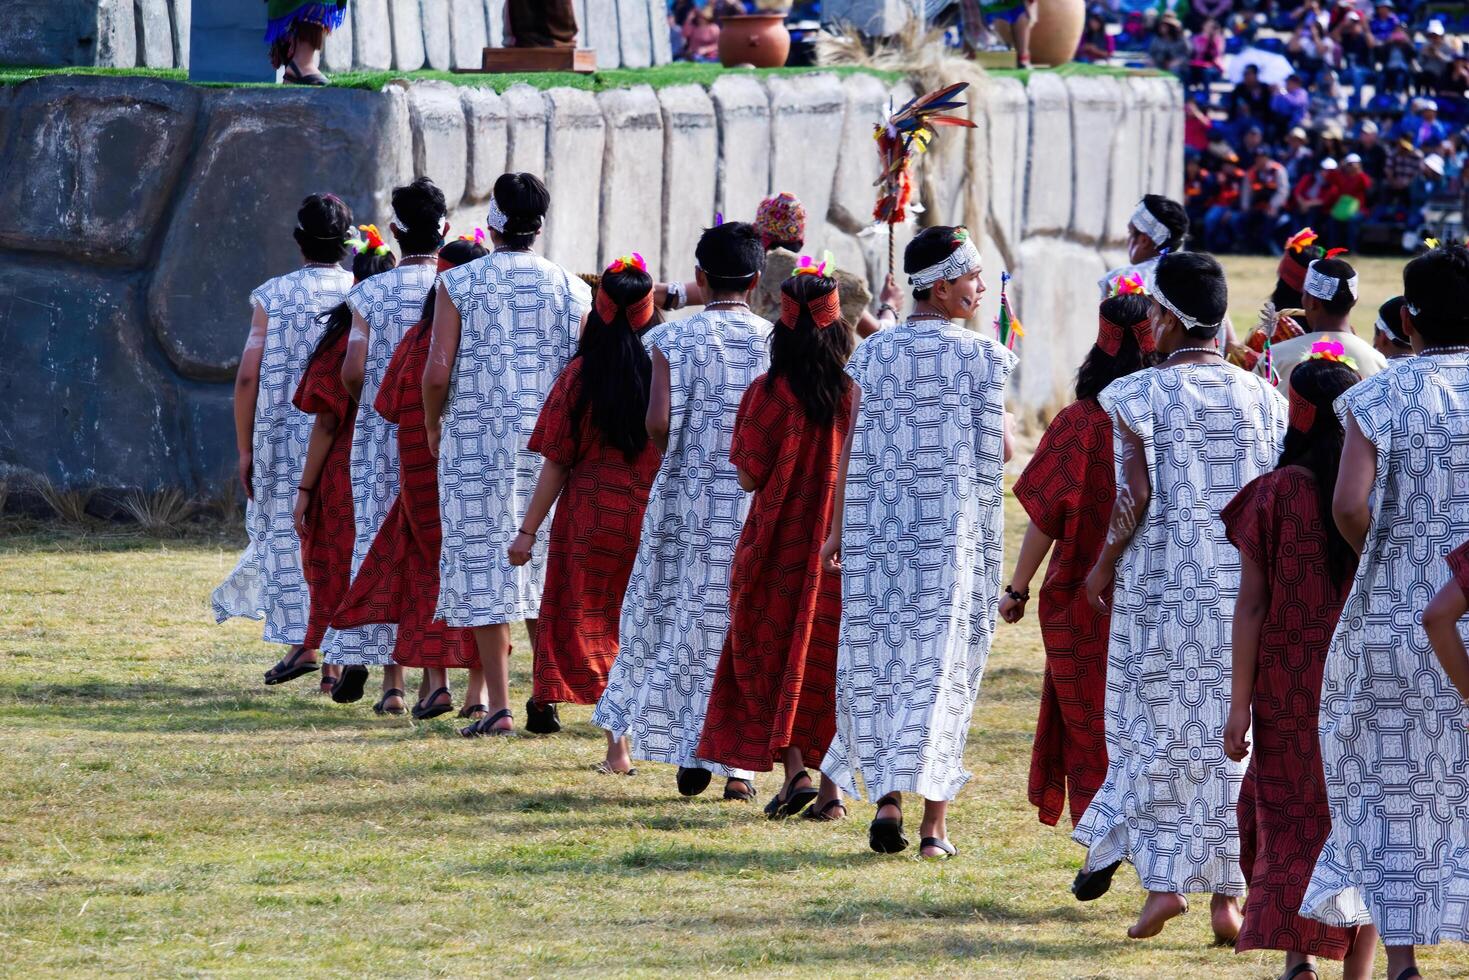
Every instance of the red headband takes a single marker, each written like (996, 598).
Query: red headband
(1302, 412)
(639, 311)
(825, 310)
(1109, 335)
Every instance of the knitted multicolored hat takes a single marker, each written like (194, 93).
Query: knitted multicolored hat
(781, 220)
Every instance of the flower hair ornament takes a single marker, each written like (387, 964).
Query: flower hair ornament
(825, 309)
(1302, 412)
(1332, 350)
(639, 311)
(1127, 285)
(478, 237)
(370, 241)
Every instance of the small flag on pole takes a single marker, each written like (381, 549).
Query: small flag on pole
(1007, 324)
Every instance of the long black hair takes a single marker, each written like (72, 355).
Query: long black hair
(323, 225)
(1100, 368)
(458, 252)
(1319, 450)
(808, 357)
(338, 319)
(616, 370)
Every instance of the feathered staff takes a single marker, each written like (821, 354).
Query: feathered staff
(904, 131)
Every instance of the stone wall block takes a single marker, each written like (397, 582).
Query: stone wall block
(807, 115)
(440, 143)
(89, 163)
(407, 32)
(495, 23)
(155, 31)
(467, 33)
(658, 25)
(199, 293)
(1127, 158)
(742, 108)
(1057, 293)
(690, 159)
(437, 48)
(337, 55)
(634, 36)
(117, 37)
(97, 410)
(487, 137)
(1172, 147)
(372, 34)
(1048, 187)
(1008, 114)
(183, 19)
(632, 175)
(1094, 104)
(525, 118)
(575, 142)
(853, 193)
(599, 30)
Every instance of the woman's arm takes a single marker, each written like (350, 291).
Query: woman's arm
(1032, 552)
(1133, 493)
(443, 349)
(354, 368)
(548, 487)
(323, 431)
(831, 551)
(247, 392)
(660, 401)
(1249, 616)
(1441, 623)
(1007, 437)
(1351, 506)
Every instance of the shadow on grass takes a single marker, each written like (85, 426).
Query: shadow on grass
(661, 859)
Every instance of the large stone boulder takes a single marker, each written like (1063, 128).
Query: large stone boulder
(1094, 105)
(806, 119)
(1008, 115)
(1048, 189)
(117, 36)
(89, 164)
(49, 32)
(632, 175)
(440, 149)
(372, 38)
(1057, 283)
(1127, 160)
(743, 110)
(197, 302)
(155, 33)
(467, 36)
(690, 162)
(575, 141)
(525, 117)
(599, 30)
(635, 40)
(407, 32)
(487, 136)
(436, 48)
(853, 193)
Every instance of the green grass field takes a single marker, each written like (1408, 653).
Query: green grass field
(166, 814)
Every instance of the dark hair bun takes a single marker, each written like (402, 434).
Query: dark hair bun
(524, 200)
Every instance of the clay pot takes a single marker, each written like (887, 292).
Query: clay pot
(1057, 31)
(756, 39)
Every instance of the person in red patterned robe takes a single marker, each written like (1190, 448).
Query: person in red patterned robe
(599, 465)
(774, 694)
(399, 578)
(323, 511)
(1067, 490)
(1296, 569)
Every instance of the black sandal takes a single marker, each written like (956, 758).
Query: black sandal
(823, 813)
(486, 725)
(692, 780)
(381, 707)
(293, 76)
(746, 795)
(426, 709)
(348, 687)
(289, 668)
(541, 719)
(949, 849)
(1092, 885)
(1300, 968)
(1409, 973)
(885, 834)
(793, 801)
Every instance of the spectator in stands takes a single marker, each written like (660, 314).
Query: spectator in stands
(1455, 83)
(1097, 44)
(1289, 106)
(1203, 11)
(1404, 164)
(1425, 187)
(1385, 22)
(1296, 156)
(1435, 56)
(1373, 153)
(1346, 202)
(1206, 61)
(1251, 97)
(1396, 56)
(1308, 200)
(1168, 51)
(1263, 197)
(1196, 122)
(701, 35)
(1356, 45)
(1199, 187)
(1422, 125)
(1328, 106)
(1219, 218)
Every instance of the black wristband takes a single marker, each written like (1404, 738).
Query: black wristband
(1017, 596)
(302, 486)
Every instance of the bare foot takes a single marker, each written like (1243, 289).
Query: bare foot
(1156, 911)
(618, 760)
(1225, 918)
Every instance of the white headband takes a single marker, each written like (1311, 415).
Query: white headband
(1323, 286)
(496, 218)
(1146, 222)
(962, 261)
(1189, 322)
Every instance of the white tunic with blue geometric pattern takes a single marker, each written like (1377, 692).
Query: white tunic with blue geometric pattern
(921, 549)
(520, 316)
(267, 583)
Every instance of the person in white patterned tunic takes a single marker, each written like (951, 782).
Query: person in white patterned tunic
(504, 327)
(1189, 434)
(383, 308)
(917, 533)
(271, 434)
(1392, 724)
(676, 609)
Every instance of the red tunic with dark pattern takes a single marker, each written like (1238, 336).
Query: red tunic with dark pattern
(594, 541)
(399, 578)
(1067, 489)
(1276, 522)
(326, 548)
(775, 686)
(1458, 560)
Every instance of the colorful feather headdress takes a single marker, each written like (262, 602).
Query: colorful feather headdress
(370, 241)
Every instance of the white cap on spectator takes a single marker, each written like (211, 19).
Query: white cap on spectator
(1328, 164)
(1353, 15)
(1351, 158)
(1369, 126)
(1435, 28)
(1434, 162)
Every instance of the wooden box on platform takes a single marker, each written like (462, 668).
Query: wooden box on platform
(583, 61)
